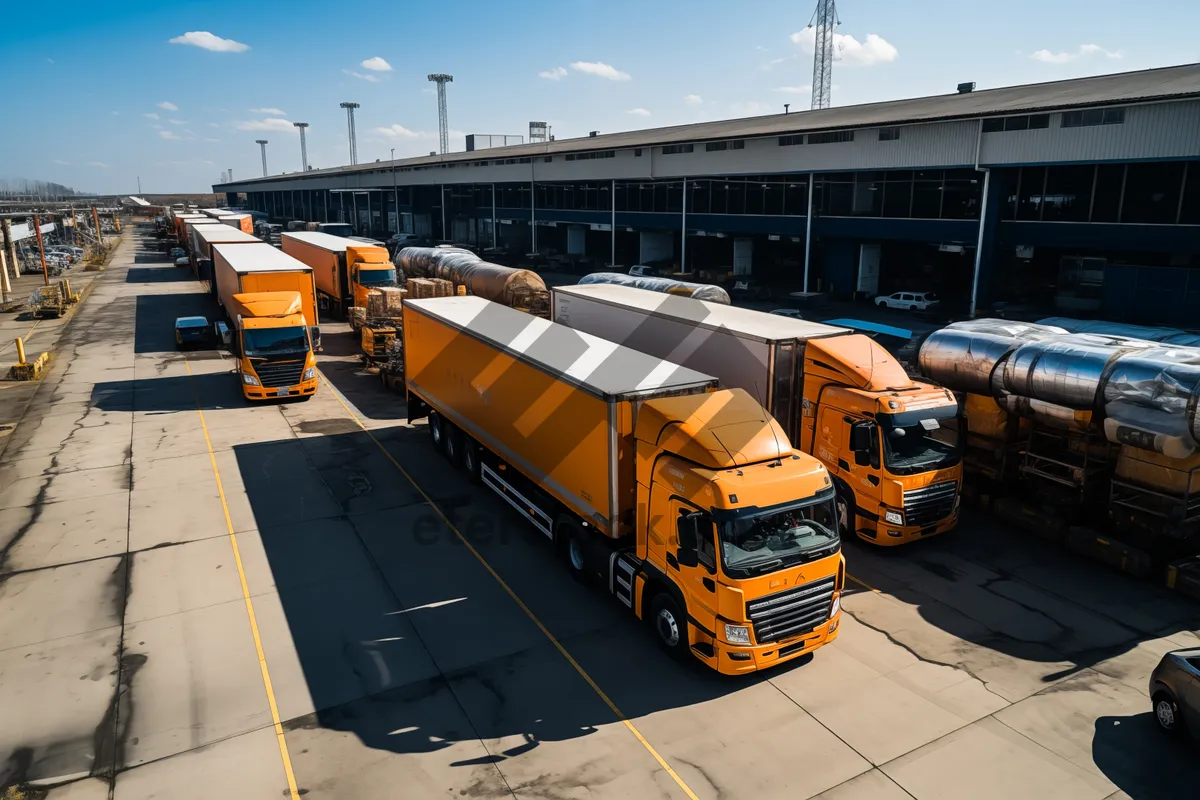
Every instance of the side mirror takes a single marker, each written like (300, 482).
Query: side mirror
(689, 539)
(860, 437)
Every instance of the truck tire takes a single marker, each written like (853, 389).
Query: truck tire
(451, 444)
(571, 547)
(437, 431)
(470, 459)
(669, 624)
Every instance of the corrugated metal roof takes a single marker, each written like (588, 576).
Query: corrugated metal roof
(259, 258)
(1125, 87)
(597, 366)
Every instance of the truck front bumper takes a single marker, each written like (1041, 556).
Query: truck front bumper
(731, 659)
(302, 389)
(888, 535)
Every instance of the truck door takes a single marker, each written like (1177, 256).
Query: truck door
(861, 459)
(696, 562)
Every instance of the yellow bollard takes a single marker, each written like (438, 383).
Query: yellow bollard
(20, 352)
(461, 290)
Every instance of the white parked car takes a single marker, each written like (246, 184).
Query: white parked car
(914, 301)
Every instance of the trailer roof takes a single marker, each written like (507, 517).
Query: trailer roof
(220, 233)
(702, 314)
(260, 257)
(597, 366)
(215, 212)
(325, 241)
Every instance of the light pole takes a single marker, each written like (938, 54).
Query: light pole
(262, 143)
(441, 79)
(303, 149)
(350, 129)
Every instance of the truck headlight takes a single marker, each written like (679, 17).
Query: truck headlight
(836, 607)
(309, 374)
(893, 517)
(249, 379)
(737, 634)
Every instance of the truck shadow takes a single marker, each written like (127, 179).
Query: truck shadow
(154, 323)
(407, 640)
(1144, 762)
(340, 364)
(167, 273)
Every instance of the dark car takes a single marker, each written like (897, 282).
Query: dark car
(192, 332)
(177, 252)
(1175, 691)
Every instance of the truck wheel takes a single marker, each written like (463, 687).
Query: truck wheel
(437, 433)
(451, 444)
(470, 459)
(670, 625)
(571, 547)
(845, 527)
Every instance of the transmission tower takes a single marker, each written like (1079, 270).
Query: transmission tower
(303, 149)
(350, 127)
(824, 20)
(441, 79)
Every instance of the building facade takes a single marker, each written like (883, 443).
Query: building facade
(1079, 197)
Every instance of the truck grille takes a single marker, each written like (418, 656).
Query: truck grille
(930, 504)
(279, 373)
(792, 611)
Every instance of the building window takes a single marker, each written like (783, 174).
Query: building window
(637, 152)
(889, 134)
(788, 141)
(591, 155)
(1093, 116)
(675, 149)
(1152, 193)
(831, 137)
(548, 159)
(736, 144)
(1024, 122)
(1106, 200)
(1189, 207)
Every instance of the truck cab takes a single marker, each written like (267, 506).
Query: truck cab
(881, 436)
(739, 552)
(272, 342)
(368, 268)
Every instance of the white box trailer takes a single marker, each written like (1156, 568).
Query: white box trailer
(752, 350)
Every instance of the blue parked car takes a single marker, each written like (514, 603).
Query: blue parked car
(192, 332)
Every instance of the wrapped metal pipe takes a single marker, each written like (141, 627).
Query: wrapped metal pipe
(697, 291)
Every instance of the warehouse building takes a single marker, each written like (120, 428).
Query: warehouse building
(1079, 196)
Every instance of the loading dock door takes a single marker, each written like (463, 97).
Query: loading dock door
(868, 269)
(576, 239)
(743, 256)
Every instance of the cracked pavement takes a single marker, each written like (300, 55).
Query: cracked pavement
(981, 664)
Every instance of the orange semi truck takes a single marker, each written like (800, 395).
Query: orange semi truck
(839, 396)
(268, 297)
(686, 502)
(344, 270)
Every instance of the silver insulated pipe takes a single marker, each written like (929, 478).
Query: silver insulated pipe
(1146, 392)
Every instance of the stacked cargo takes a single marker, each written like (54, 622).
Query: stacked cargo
(425, 288)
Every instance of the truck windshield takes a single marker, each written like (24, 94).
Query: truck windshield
(377, 277)
(916, 442)
(268, 342)
(778, 537)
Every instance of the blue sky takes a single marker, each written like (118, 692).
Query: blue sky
(110, 98)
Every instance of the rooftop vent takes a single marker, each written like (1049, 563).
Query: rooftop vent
(594, 134)
(966, 88)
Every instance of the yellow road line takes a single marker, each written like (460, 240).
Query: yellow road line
(237, 557)
(863, 583)
(520, 603)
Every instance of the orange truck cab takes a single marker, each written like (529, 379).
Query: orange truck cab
(838, 395)
(344, 270)
(273, 346)
(686, 502)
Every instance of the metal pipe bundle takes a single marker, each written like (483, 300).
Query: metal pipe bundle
(516, 288)
(1146, 393)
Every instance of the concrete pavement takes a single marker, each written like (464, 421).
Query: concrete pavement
(400, 664)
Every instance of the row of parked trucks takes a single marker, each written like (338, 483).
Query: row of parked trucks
(702, 462)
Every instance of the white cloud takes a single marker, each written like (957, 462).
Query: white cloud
(273, 112)
(600, 70)
(165, 106)
(168, 135)
(62, 163)
(99, 164)
(376, 64)
(693, 99)
(115, 113)
(1046, 57)
(157, 127)
(794, 89)
(848, 50)
(638, 112)
(150, 116)
(774, 62)
(400, 132)
(212, 124)
(268, 124)
(177, 121)
(556, 74)
(207, 41)
(750, 108)
(361, 76)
